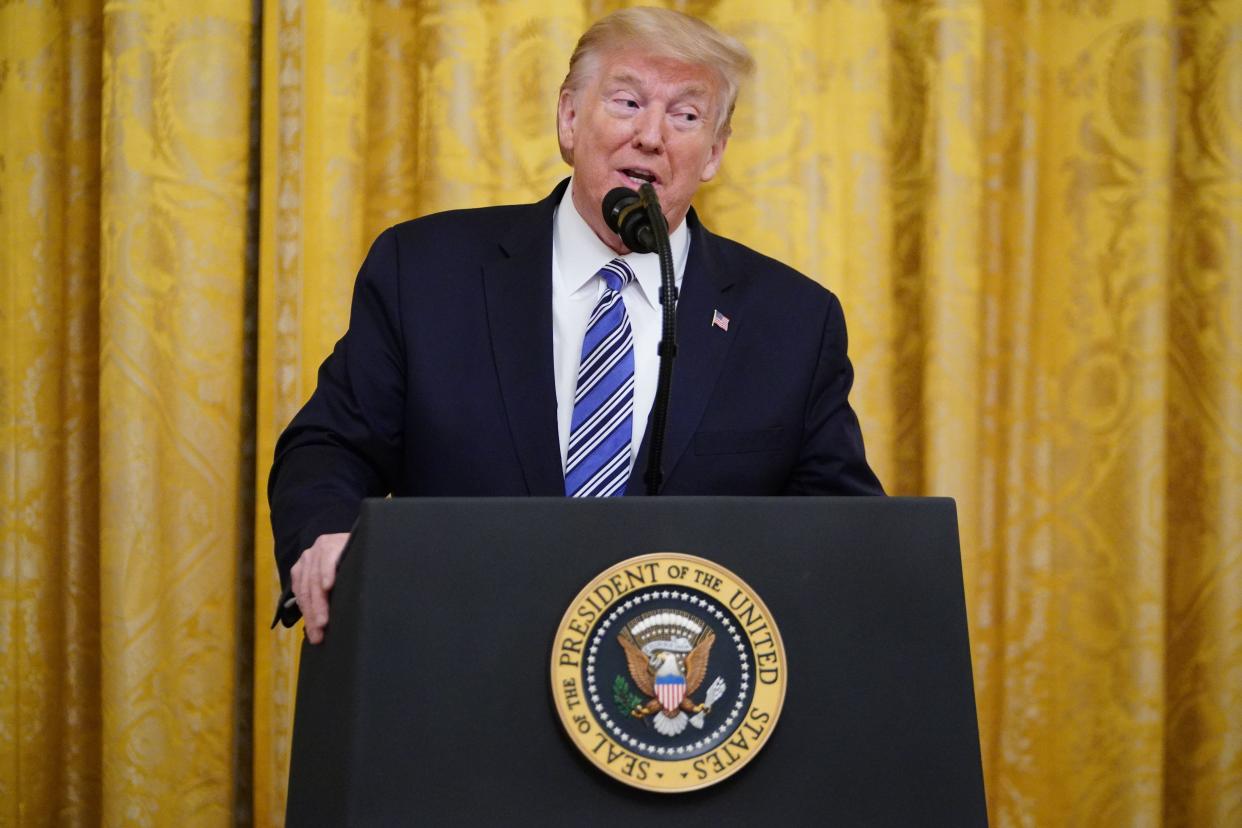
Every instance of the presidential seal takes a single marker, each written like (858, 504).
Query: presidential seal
(668, 672)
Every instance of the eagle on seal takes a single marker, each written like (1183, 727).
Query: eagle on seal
(667, 653)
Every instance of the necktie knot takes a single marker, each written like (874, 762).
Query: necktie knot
(616, 274)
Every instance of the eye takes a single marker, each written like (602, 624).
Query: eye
(687, 118)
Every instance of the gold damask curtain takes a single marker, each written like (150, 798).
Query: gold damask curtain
(1031, 209)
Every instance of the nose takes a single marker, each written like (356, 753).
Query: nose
(649, 130)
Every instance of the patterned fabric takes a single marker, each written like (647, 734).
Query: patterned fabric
(597, 462)
(1031, 215)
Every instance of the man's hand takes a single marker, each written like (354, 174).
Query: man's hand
(312, 578)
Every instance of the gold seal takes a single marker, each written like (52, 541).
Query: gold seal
(668, 672)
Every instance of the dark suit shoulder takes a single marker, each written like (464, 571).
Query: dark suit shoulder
(480, 233)
(458, 231)
(490, 220)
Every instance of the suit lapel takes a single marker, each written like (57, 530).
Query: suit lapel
(701, 350)
(518, 289)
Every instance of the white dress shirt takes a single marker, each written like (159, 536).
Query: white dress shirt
(577, 255)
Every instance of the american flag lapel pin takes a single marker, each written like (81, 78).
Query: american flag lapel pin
(719, 320)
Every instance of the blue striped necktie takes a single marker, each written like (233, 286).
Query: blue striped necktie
(597, 462)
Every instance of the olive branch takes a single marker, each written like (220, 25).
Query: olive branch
(624, 696)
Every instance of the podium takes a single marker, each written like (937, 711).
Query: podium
(429, 701)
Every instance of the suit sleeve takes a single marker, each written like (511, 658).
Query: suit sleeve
(832, 460)
(346, 442)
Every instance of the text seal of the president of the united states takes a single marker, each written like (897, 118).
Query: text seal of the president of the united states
(668, 672)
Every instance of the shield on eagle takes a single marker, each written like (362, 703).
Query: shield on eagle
(670, 690)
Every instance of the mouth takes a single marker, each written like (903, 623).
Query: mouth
(639, 176)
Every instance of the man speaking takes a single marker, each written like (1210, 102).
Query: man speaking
(511, 351)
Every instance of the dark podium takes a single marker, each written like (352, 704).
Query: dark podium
(430, 701)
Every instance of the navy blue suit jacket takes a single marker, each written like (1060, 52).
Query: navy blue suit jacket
(443, 384)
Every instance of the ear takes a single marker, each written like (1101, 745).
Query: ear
(566, 113)
(717, 155)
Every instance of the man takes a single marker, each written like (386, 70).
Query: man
(512, 350)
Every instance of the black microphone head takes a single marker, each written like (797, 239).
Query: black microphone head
(615, 202)
(625, 215)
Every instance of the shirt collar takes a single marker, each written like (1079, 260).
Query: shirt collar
(580, 254)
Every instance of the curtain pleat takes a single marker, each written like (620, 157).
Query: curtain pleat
(173, 282)
(49, 568)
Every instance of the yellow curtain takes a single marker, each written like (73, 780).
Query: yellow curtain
(127, 455)
(1032, 212)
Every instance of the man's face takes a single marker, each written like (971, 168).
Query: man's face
(641, 118)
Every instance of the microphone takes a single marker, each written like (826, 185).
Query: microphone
(626, 214)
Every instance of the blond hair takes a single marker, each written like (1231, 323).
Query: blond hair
(665, 33)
